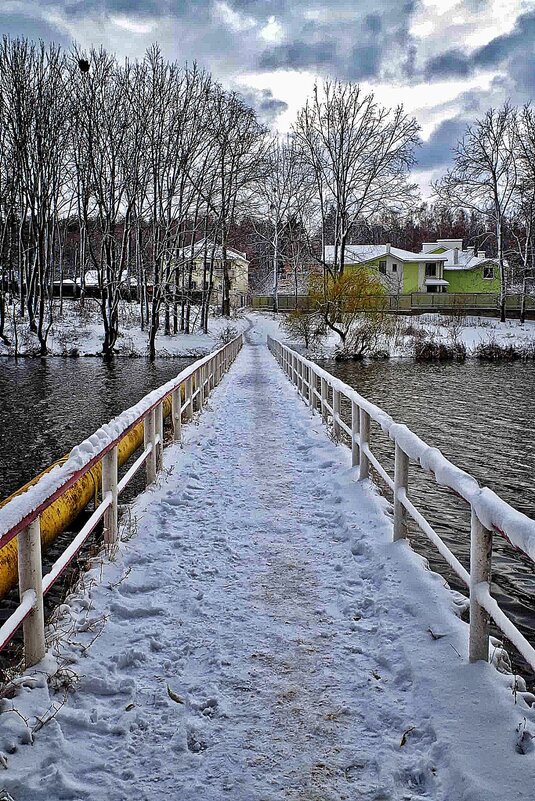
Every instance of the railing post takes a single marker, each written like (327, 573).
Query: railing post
(336, 414)
(401, 481)
(364, 469)
(31, 578)
(200, 396)
(149, 437)
(355, 428)
(480, 571)
(176, 414)
(189, 396)
(158, 412)
(109, 484)
(312, 382)
(324, 395)
(310, 392)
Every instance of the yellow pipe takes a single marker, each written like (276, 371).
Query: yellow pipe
(64, 511)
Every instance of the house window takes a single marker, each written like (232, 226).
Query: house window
(394, 268)
(488, 273)
(382, 267)
(430, 270)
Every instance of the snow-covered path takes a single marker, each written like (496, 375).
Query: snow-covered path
(265, 640)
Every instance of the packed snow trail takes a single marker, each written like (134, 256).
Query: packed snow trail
(260, 638)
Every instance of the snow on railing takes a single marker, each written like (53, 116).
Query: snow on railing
(489, 513)
(20, 517)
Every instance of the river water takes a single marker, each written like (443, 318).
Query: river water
(482, 417)
(46, 407)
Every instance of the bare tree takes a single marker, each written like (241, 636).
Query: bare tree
(107, 153)
(359, 153)
(239, 142)
(522, 217)
(283, 191)
(35, 106)
(484, 177)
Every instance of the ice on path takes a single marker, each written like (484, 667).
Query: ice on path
(260, 638)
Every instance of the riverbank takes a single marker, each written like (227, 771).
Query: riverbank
(78, 331)
(426, 336)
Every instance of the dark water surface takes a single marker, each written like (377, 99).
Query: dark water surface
(47, 406)
(482, 417)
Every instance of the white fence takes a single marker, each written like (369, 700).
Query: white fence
(489, 513)
(21, 516)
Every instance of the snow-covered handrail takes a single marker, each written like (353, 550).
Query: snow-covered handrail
(20, 517)
(489, 512)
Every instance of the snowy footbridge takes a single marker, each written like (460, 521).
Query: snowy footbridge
(260, 632)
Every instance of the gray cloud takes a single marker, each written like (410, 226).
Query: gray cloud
(451, 63)
(437, 150)
(265, 104)
(513, 51)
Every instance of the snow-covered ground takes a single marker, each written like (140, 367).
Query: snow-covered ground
(470, 331)
(473, 331)
(259, 637)
(80, 332)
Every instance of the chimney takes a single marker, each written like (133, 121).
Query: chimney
(481, 254)
(456, 255)
(387, 248)
(427, 247)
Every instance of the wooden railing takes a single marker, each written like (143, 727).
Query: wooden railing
(489, 513)
(21, 516)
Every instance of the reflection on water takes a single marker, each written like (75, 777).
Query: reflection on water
(482, 417)
(47, 406)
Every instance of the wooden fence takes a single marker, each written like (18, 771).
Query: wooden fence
(417, 302)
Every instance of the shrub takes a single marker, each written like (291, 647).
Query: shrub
(303, 326)
(492, 351)
(429, 350)
(227, 334)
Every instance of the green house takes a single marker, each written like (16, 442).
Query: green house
(466, 270)
(441, 266)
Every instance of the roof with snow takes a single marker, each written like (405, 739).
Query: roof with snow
(197, 250)
(455, 257)
(466, 259)
(357, 254)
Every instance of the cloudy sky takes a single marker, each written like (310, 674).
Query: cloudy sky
(446, 60)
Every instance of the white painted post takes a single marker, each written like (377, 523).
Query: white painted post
(401, 481)
(311, 383)
(324, 396)
(176, 414)
(336, 414)
(364, 469)
(355, 428)
(31, 578)
(159, 431)
(480, 570)
(109, 484)
(189, 396)
(149, 437)
(201, 373)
